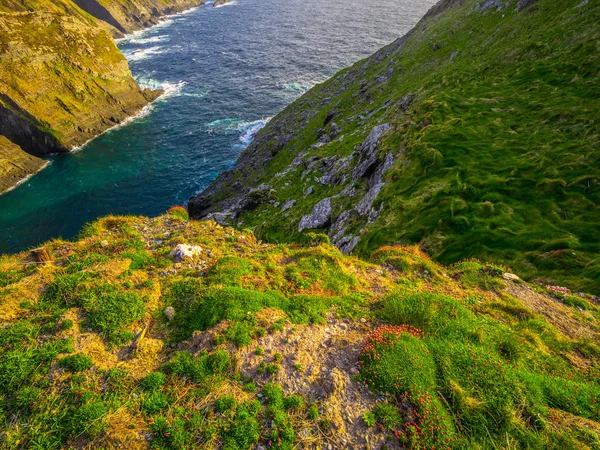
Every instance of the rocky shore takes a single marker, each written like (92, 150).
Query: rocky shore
(63, 80)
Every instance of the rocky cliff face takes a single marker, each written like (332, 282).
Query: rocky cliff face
(15, 164)
(469, 136)
(62, 78)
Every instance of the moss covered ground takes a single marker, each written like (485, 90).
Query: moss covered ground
(113, 343)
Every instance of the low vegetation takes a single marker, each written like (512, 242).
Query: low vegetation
(285, 346)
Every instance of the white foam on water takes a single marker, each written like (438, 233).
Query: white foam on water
(226, 4)
(250, 129)
(170, 89)
(149, 40)
(145, 53)
(300, 86)
(146, 110)
(165, 21)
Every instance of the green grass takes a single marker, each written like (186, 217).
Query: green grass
(497, 156)
(454, 358)
(470, 380)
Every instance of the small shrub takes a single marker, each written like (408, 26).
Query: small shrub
(313, 411)
(369, 419)
(293, 402)
(76, 363)
(273, 395)
(224, 404)
(387, 415)
(178, 212)
(272, 369)
(153, 381)
(155, 402)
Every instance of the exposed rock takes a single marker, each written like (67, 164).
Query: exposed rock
(363, 207)
(368, 152)
(41, 256)
(510, 277)
(524, 4)
(218, 3)
(16, 164)
(287, 205)
(169, 313)
(185, 251)
(406, 102)
(309, 190)
(319, 218)
(347, 244)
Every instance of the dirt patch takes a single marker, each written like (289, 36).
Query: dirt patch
(319, 362)
(555, 312)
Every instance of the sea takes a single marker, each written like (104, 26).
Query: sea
(226, 72)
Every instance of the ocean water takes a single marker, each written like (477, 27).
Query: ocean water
(225, 72)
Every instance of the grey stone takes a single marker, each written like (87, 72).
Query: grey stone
(309, 190)
(287, 205)
(363, 207)
(320, 217)
(347, 244)
(524, 4)
(368, 151)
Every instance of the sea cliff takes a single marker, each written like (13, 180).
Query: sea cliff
(63, 80)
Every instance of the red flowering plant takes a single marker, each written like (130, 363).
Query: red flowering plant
(395, 360)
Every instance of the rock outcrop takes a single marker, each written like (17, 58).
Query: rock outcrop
(218, 3)
(16, 164)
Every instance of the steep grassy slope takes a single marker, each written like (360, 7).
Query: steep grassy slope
(112, 344)
(489, 146)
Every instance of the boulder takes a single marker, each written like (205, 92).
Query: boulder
(320, 217)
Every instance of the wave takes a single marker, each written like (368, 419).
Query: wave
(139, 54)
(247, 129)
(226, 4)
(170, 89)
(149, 40)
(165, 21)
(299, 87)
(251, 128)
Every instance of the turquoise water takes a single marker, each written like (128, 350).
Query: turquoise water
(225, 72)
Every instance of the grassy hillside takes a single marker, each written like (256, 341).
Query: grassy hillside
(112, 341)
(490, 148)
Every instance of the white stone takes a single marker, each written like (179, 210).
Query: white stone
(184, 251)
